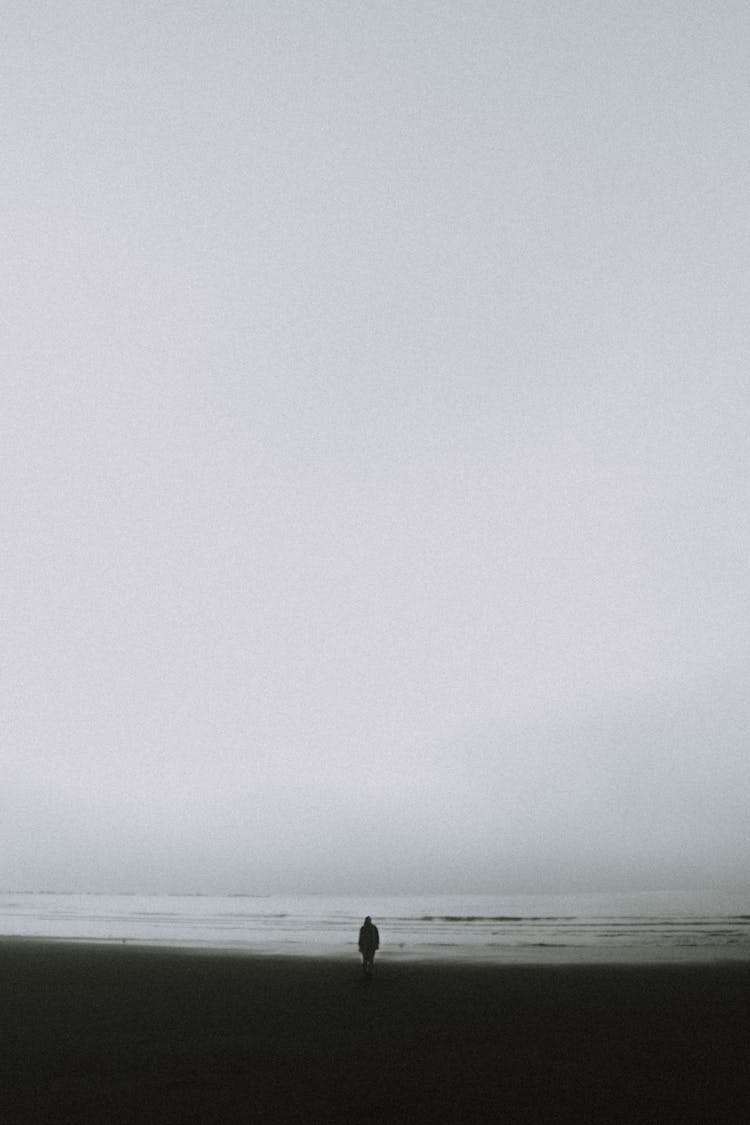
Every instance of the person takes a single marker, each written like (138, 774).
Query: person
(369, 941)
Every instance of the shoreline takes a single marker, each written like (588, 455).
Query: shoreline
(509, 956)
(122, 1034)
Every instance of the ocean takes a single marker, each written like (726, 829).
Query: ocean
(647, 926)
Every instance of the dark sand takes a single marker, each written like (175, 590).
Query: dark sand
(108, 1034)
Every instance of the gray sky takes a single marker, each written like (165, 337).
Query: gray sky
(374, 452)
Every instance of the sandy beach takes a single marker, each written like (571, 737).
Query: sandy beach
(107, 1034)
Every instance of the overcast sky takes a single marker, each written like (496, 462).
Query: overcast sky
(374, 451)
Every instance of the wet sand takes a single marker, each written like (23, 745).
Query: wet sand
(111, 1034)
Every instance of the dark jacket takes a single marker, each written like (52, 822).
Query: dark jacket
(369, 938)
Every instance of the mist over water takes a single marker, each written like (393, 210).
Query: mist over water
(596, 927)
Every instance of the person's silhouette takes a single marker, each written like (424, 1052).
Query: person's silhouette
(369, 941)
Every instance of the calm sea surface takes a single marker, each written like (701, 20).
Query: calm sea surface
(660, 926)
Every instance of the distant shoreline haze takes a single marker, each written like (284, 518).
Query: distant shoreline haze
(667, 926)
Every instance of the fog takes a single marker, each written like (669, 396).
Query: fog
(374, 455)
